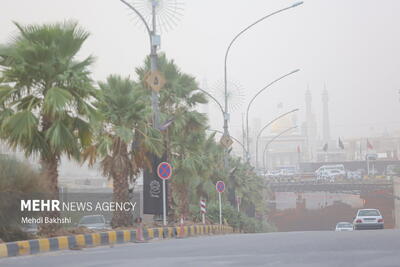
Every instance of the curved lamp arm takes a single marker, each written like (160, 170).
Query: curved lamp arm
(213, 98)
(257, 94)
(243, 31)
(266, 126)
(141, 18)
(273, 139)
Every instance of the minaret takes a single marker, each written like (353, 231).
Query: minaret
(311, 127)
(308, 106)
(326, 131)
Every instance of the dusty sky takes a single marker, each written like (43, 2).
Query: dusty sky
(352, 46)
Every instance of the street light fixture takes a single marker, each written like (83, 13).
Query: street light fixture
(222, 111)
(226, 111)
(214, 99)
(266, 126)
(272, 140)
(154, 44)
(251, 102)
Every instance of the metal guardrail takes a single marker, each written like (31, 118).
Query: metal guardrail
(312, 186)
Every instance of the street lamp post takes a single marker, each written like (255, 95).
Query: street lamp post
(251, 102)
(214, 99)
(272, 140)
(154, 44)
(266, 126)
(224, 115)
(226, 111)
(222, 111)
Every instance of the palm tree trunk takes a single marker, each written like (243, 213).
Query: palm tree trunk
(50, 175)
(121, 195)
(120, 175)
(183, 205)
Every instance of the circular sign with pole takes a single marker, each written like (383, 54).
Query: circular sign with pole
(220, 186)
(164, 170)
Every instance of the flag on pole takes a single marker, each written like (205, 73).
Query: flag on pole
(369, 145)
(341, 145)
(325, 148)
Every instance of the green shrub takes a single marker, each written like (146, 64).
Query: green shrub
(16, 179)
(238, 220)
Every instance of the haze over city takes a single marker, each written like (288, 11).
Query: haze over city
(349, 46)
(269, 128)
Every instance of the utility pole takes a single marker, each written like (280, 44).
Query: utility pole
(226, 111)
(155, 42)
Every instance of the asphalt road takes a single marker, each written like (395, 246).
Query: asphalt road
(322, 249)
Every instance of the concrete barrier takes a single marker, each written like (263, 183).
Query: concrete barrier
(29, 247)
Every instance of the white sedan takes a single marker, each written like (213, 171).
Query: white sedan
(344, 227)
(368, 219)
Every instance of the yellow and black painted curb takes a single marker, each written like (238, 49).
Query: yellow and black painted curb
(35, 246)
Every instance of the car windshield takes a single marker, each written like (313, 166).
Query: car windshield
(92, 219)
(334, 168)
(368, 213)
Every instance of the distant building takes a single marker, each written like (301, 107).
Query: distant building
(285, 151)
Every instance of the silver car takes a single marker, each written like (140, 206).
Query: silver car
(93, 222)
(368, 219)
(344, 227)
(30, 228)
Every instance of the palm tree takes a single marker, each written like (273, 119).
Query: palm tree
(45, 94)
(184, 138)
(187, 140)
(213, 168)
(124, 137)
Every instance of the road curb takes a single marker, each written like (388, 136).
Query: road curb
(35, 246)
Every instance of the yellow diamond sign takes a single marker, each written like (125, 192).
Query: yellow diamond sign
(226, 141)
(155, 80)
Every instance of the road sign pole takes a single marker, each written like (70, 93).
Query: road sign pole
(220, 209)
(164, 203)
(164, 172)
(220, 186)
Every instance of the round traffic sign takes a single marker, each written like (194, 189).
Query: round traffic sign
(164, 170)
(220, 186)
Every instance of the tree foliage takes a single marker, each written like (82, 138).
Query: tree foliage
(49, 107)
(45, 94)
